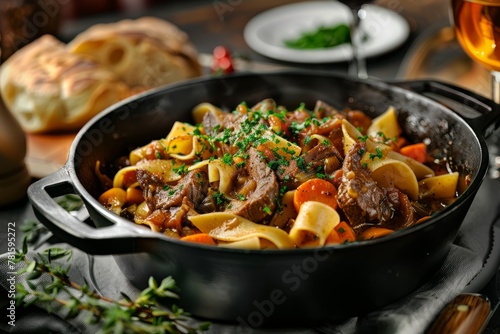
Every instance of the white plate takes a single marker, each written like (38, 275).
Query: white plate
(266, 32)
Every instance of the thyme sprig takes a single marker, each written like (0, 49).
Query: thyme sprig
(48, 284)
(70, 202)
(32, 230)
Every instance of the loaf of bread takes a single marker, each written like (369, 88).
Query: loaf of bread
(51, 86)
(146, 52)
(47, 88)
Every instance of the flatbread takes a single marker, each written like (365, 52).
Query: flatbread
(145, 52)
(47, 88)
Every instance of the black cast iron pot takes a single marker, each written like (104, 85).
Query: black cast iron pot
(256, 287)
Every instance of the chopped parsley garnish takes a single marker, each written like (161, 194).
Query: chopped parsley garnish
(320, 172)
(363, 138)
(219, 198)
(378, 154)
(288, 151)
(197, 131)
(282, 191)
(281, 115)
(302, 107)
(267, 210)
(227, 159)
(296, 127)
(385, 139)
(181, 170)
(316, 122)
(278, 162)
(301, 163)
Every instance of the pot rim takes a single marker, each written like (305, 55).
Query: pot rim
(141, 231)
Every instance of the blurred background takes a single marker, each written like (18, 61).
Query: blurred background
(80, 8)
(22, 21)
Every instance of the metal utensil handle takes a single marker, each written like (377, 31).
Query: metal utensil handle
(114, 239)
(485, 124)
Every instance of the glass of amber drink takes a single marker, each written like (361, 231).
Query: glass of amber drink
(477, 27)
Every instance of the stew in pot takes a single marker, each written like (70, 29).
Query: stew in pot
(265, 177)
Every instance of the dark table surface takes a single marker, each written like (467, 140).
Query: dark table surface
(209, 26)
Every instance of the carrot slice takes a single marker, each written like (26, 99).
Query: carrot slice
(342, 233)
(201, 238)
(421, 220)
(415, 151)
(374, 232)
(317, 190)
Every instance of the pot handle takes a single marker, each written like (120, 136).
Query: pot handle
(485, 124)
(117, 238)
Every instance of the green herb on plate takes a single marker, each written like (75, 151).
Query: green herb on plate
(321, 38)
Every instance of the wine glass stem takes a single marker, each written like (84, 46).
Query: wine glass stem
(357, 66)
(495, 88)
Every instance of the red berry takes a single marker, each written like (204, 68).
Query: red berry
(222, 61)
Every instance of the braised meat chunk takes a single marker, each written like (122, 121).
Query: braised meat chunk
(158, 195)
(319, 158)
(263, 197)
(359, 196)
